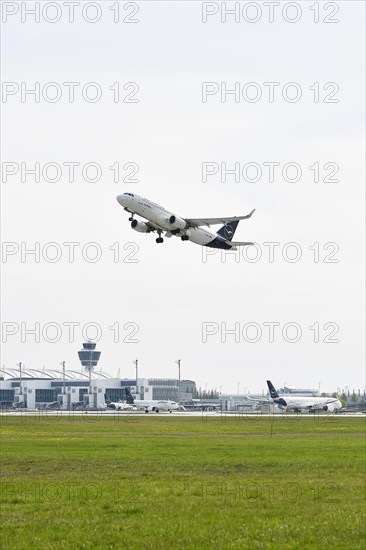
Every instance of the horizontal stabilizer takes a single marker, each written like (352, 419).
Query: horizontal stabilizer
(240, 243)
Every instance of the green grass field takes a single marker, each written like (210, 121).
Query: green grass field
(181, 483)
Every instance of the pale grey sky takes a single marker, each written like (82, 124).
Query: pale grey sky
(172, 291)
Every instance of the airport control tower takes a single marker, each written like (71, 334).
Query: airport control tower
(89, 358)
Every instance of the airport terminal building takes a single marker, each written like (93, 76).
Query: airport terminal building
(86, 388)
(45, 388)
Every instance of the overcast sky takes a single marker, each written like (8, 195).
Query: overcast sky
(175, 300)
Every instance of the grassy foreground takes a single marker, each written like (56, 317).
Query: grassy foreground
(182, 483)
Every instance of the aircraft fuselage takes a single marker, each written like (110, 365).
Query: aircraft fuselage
(161, 218)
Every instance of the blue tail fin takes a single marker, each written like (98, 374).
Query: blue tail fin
(129, 399)
(272, 390)
(227, 231)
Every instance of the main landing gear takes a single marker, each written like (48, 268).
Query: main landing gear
(160, 238)
(184, 237)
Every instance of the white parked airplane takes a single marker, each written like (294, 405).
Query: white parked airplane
(164, 221)
(117, 406)
(299, 403)
(151, 405)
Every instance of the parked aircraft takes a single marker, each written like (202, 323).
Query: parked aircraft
(188, 229)
(151, 405)
(117, 406)
(299, 403)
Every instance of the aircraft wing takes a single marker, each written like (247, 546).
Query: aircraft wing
(263, 401)
(197, 222)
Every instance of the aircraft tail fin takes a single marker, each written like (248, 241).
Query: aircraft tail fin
(227, 231)
(129, 399)
(272, 390)
(107, 400)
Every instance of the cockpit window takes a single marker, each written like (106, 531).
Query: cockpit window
(130, 194)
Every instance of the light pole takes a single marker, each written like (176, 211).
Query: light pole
(178, 363)
(238, 388)
(20, 377)
(63, 384)
(63, 377)
(136, 363)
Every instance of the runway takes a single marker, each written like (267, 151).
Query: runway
(174, 414)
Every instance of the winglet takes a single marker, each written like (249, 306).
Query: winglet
(249, 398)
(250, 214)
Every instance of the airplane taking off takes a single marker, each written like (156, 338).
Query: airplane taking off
(188, 229)
(298, 402)
(151, 405)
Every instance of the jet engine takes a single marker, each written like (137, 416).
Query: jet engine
(141, 227)
(329, 407)
(177, 223)
(151, 408)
